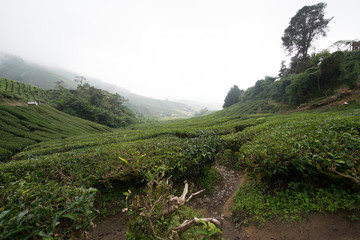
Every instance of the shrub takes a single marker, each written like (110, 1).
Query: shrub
(35, 210)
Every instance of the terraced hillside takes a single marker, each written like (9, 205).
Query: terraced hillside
(17, 91)
(21, 126)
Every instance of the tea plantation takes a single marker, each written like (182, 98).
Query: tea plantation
(15, 90)
(65, 177)
(23, 126)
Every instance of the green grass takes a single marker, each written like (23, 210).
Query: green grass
(259, 203)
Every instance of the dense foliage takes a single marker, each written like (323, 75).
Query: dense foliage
(43, 210)
(93, 104)
(304, 163)
(232, 96)
(324, 74)
(307, 25)
(303, 149)
(85, 102)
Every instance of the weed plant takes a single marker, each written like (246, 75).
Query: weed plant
(258, 202)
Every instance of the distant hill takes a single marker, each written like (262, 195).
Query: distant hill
(146, 106)
(15, 68)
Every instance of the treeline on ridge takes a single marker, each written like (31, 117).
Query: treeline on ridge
(307, 78)
(93, 104)
(86, 102)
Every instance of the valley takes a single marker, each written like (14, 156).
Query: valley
(83, 177)
(83, 157)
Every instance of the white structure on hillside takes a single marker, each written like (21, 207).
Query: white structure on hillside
(32, 102)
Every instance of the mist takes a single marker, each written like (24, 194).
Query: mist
(176, 50)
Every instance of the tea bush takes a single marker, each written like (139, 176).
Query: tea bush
(304, 148)
(50, 210)
(24, 126)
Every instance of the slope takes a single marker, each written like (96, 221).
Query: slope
(14, 91)
(21, 126)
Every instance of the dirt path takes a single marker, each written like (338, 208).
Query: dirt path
(215, 205)
(315, 226)
(218, 204)
(110, 228)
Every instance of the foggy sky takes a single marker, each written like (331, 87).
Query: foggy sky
(188, 49)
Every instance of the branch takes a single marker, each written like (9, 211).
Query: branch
(187, 224)
(174, 202)
(153, 207)
(181, 199)
(354, 179)
(148, 216)
(194, 194)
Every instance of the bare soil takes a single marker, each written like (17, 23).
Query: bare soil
(315, 226)
(218, 204)
(5, 101)
(342, 97)
(110, 228)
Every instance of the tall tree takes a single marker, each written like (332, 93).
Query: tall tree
(307, 25)
(233, 96)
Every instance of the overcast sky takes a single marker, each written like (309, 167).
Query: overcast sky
(185, 49)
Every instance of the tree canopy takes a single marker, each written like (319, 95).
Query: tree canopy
(307, 25)
(93, 104)
(233, 96)
(324, 75)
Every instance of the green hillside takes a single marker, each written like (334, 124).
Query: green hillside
(156, 108)
(85, 102)
(21, 126)
(270, 147)
(14, 91)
